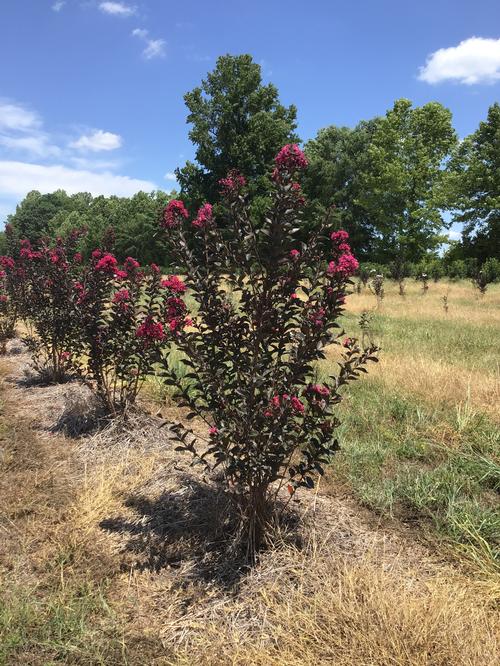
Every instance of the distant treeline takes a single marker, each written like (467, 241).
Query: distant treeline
(395, 182)
(128, 224)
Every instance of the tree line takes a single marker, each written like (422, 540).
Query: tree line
(396, 182)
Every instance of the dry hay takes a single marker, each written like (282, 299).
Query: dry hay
(119, 505)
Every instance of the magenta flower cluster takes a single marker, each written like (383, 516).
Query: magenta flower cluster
(280, 402)
(204, 217)
(290, 158)
(150, 330)
(174, 214)
(344, 264)
(232, 183)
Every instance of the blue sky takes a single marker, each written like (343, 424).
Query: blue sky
(91, 92)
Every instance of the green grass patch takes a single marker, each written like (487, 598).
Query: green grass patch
(407, 458)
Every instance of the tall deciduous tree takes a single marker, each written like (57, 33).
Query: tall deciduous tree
(337, 157)
(474, 186)
(400, 182)
(237, 123)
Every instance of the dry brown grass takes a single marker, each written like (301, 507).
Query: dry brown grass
(437, 381)
(110, 518)
(305, 607)
(464, 304)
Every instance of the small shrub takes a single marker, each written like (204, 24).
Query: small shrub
(121, 315)
(377, 286)
(363, 274)
(424, 279)
(46, 276)
(267, 306)
(481, 281)
(398, 271)
(8, 301)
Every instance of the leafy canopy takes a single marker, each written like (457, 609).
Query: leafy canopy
(237, 123)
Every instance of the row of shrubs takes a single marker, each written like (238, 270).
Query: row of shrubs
(436, 269)
(95, 319)
(264, 307)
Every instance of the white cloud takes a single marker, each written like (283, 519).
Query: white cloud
(90, 164)
(57, 6)
(16, 117)
(98, 140)
(117, 9)
(155, 49)
(20, 130)
(454, 235)
(36, 144)
(474, 60)
(18, 178)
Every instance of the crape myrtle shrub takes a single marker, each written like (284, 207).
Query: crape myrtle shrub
(47, 303)
(11, 289)
(267, 306)
(8, 305)
(125, 314)
(102, 321)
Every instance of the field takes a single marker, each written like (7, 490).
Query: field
(111, 547)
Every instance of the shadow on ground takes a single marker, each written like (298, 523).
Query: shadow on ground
(194, 529)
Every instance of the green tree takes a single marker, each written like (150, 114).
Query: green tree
(400, 184)
(474, 189)
(237, 123)
(337, 157)
(35, 212)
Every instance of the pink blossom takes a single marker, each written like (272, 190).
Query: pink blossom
(339, 236)
(275, 401)
(294, 254)
(290, 158)
(344, 267)
(232, 183)
(213, 431)
(3, 298)
(318, 390)
(96, 254)
(174, 283)
(296, 404)
(77, 258)
(107, 264)
(130, 264)
(173, 215)
(121, 296)
(175, 311)
(317, 317)
(203, 217)
(150, 330)
(121, 275)
(7, 262)
(154, 268)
